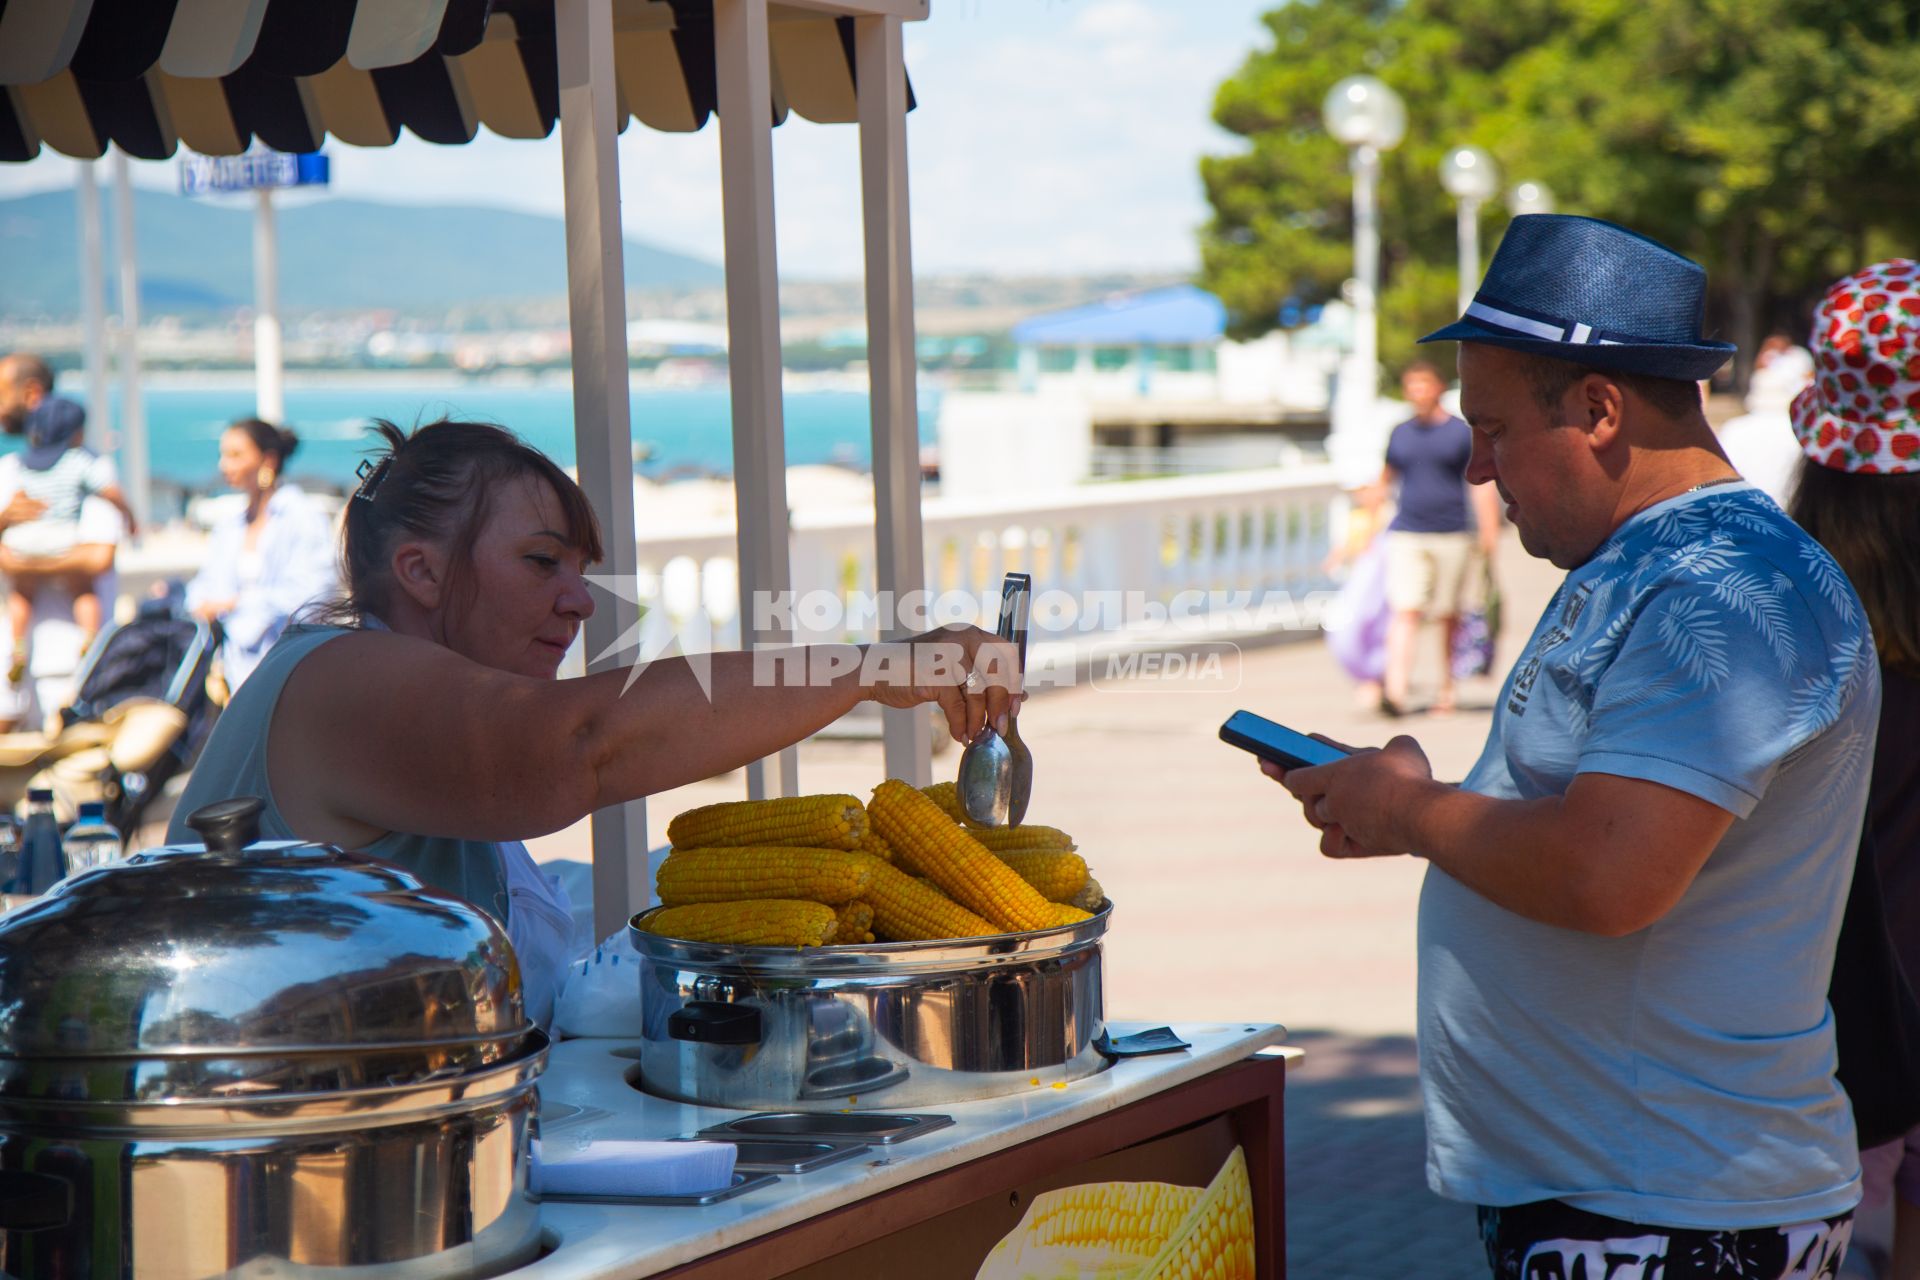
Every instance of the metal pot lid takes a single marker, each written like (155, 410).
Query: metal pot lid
(239, 956)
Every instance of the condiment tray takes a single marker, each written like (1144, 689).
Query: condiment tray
(783, 1155)
(742, 1183)
(860, 1126)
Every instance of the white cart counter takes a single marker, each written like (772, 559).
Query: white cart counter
(993, 1145)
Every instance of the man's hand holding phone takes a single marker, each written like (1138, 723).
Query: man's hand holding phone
(1356, 800)
(1358, 803)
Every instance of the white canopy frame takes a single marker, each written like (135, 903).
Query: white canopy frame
(603, 429)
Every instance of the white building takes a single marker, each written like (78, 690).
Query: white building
(1142, 383)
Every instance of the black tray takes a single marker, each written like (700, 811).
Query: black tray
(742, 1183)
(783, 1155)
(858, 1126)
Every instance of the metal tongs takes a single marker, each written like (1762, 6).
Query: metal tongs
(996, 770)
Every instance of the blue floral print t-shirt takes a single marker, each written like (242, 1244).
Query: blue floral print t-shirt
(1681, 1075)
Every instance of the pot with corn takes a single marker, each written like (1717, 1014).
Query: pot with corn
(817, 953)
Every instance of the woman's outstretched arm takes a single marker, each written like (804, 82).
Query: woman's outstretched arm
(378, 732)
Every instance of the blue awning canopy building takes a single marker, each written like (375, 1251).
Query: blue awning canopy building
(1178, 315)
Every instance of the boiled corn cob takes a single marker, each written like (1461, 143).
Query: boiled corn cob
(904, 910)
(1065, 913)
(1056, 873)
(1127, 1217)
(1092, 897)
(1094, 1231)
(873, 844)
(947, 796)
(825, 822)
(926, 842)
(763, 923)
(832, 876)
(855, 926)
(1000, 839)
(1215, 1242)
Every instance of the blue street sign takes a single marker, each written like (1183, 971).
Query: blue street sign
(200, 175)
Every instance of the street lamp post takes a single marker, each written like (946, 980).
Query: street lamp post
(1368, 118)
(1470, 177)
(260, 172)
(269, 362)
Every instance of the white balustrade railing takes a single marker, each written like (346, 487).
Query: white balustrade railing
(1141, 562)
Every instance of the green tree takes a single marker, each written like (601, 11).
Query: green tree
(1772, 140)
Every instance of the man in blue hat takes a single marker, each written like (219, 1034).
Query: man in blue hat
(1632, 900)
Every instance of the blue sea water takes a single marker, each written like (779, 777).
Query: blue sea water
(679, 428)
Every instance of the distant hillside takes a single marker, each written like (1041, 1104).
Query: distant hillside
(197, 256)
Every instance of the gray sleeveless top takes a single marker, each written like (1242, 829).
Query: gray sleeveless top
(234, 763)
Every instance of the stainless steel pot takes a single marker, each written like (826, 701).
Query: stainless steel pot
(892, 1025)
(261, 1058)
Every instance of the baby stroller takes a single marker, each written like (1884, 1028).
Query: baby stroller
(140, 714)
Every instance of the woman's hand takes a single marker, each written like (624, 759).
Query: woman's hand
(213, 610)
(973, 674)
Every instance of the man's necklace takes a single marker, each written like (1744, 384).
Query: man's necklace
(1708, 484)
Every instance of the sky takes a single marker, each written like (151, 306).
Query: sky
(1051, 137)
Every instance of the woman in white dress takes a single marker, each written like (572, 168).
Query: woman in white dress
(266, 559)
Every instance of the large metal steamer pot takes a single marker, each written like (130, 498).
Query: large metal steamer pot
(261, 1058)
(884, 1026)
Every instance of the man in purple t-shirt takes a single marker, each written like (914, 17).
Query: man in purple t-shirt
(1430, 543)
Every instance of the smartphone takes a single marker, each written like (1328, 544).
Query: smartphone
(1276, 742)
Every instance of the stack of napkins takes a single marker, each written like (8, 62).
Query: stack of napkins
(631, 1168)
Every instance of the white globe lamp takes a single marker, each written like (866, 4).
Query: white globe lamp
(1366, 117)
(1530, 197)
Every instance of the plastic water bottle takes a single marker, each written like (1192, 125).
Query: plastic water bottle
(91, 841)
(9, 850)
(42, 862)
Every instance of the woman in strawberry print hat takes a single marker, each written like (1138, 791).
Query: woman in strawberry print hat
(1858, 494)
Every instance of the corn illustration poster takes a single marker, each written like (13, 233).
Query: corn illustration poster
(1134, 1231)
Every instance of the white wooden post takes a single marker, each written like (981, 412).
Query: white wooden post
(269, 366)
(602, 425)
(745, 90)
(900, 563)
(93, 308)
(133, 409)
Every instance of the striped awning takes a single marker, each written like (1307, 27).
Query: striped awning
(151, 76)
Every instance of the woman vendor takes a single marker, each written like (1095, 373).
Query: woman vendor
(422, 722)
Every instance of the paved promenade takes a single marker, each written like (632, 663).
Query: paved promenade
(1226, 910)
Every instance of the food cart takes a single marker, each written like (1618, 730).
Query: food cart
(1083, 1141)
(253, 1057)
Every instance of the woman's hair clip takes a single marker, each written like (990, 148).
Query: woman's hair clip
(371, 473)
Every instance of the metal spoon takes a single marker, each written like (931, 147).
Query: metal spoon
(996, 773)
(1018, 606)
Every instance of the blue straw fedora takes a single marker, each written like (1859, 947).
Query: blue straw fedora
(1588, 291)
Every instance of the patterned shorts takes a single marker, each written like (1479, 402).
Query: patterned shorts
(1551, 1240)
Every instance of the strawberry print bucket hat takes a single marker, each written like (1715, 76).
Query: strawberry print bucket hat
(1861, 412)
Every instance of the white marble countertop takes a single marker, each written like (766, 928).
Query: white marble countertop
(623, 1242)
